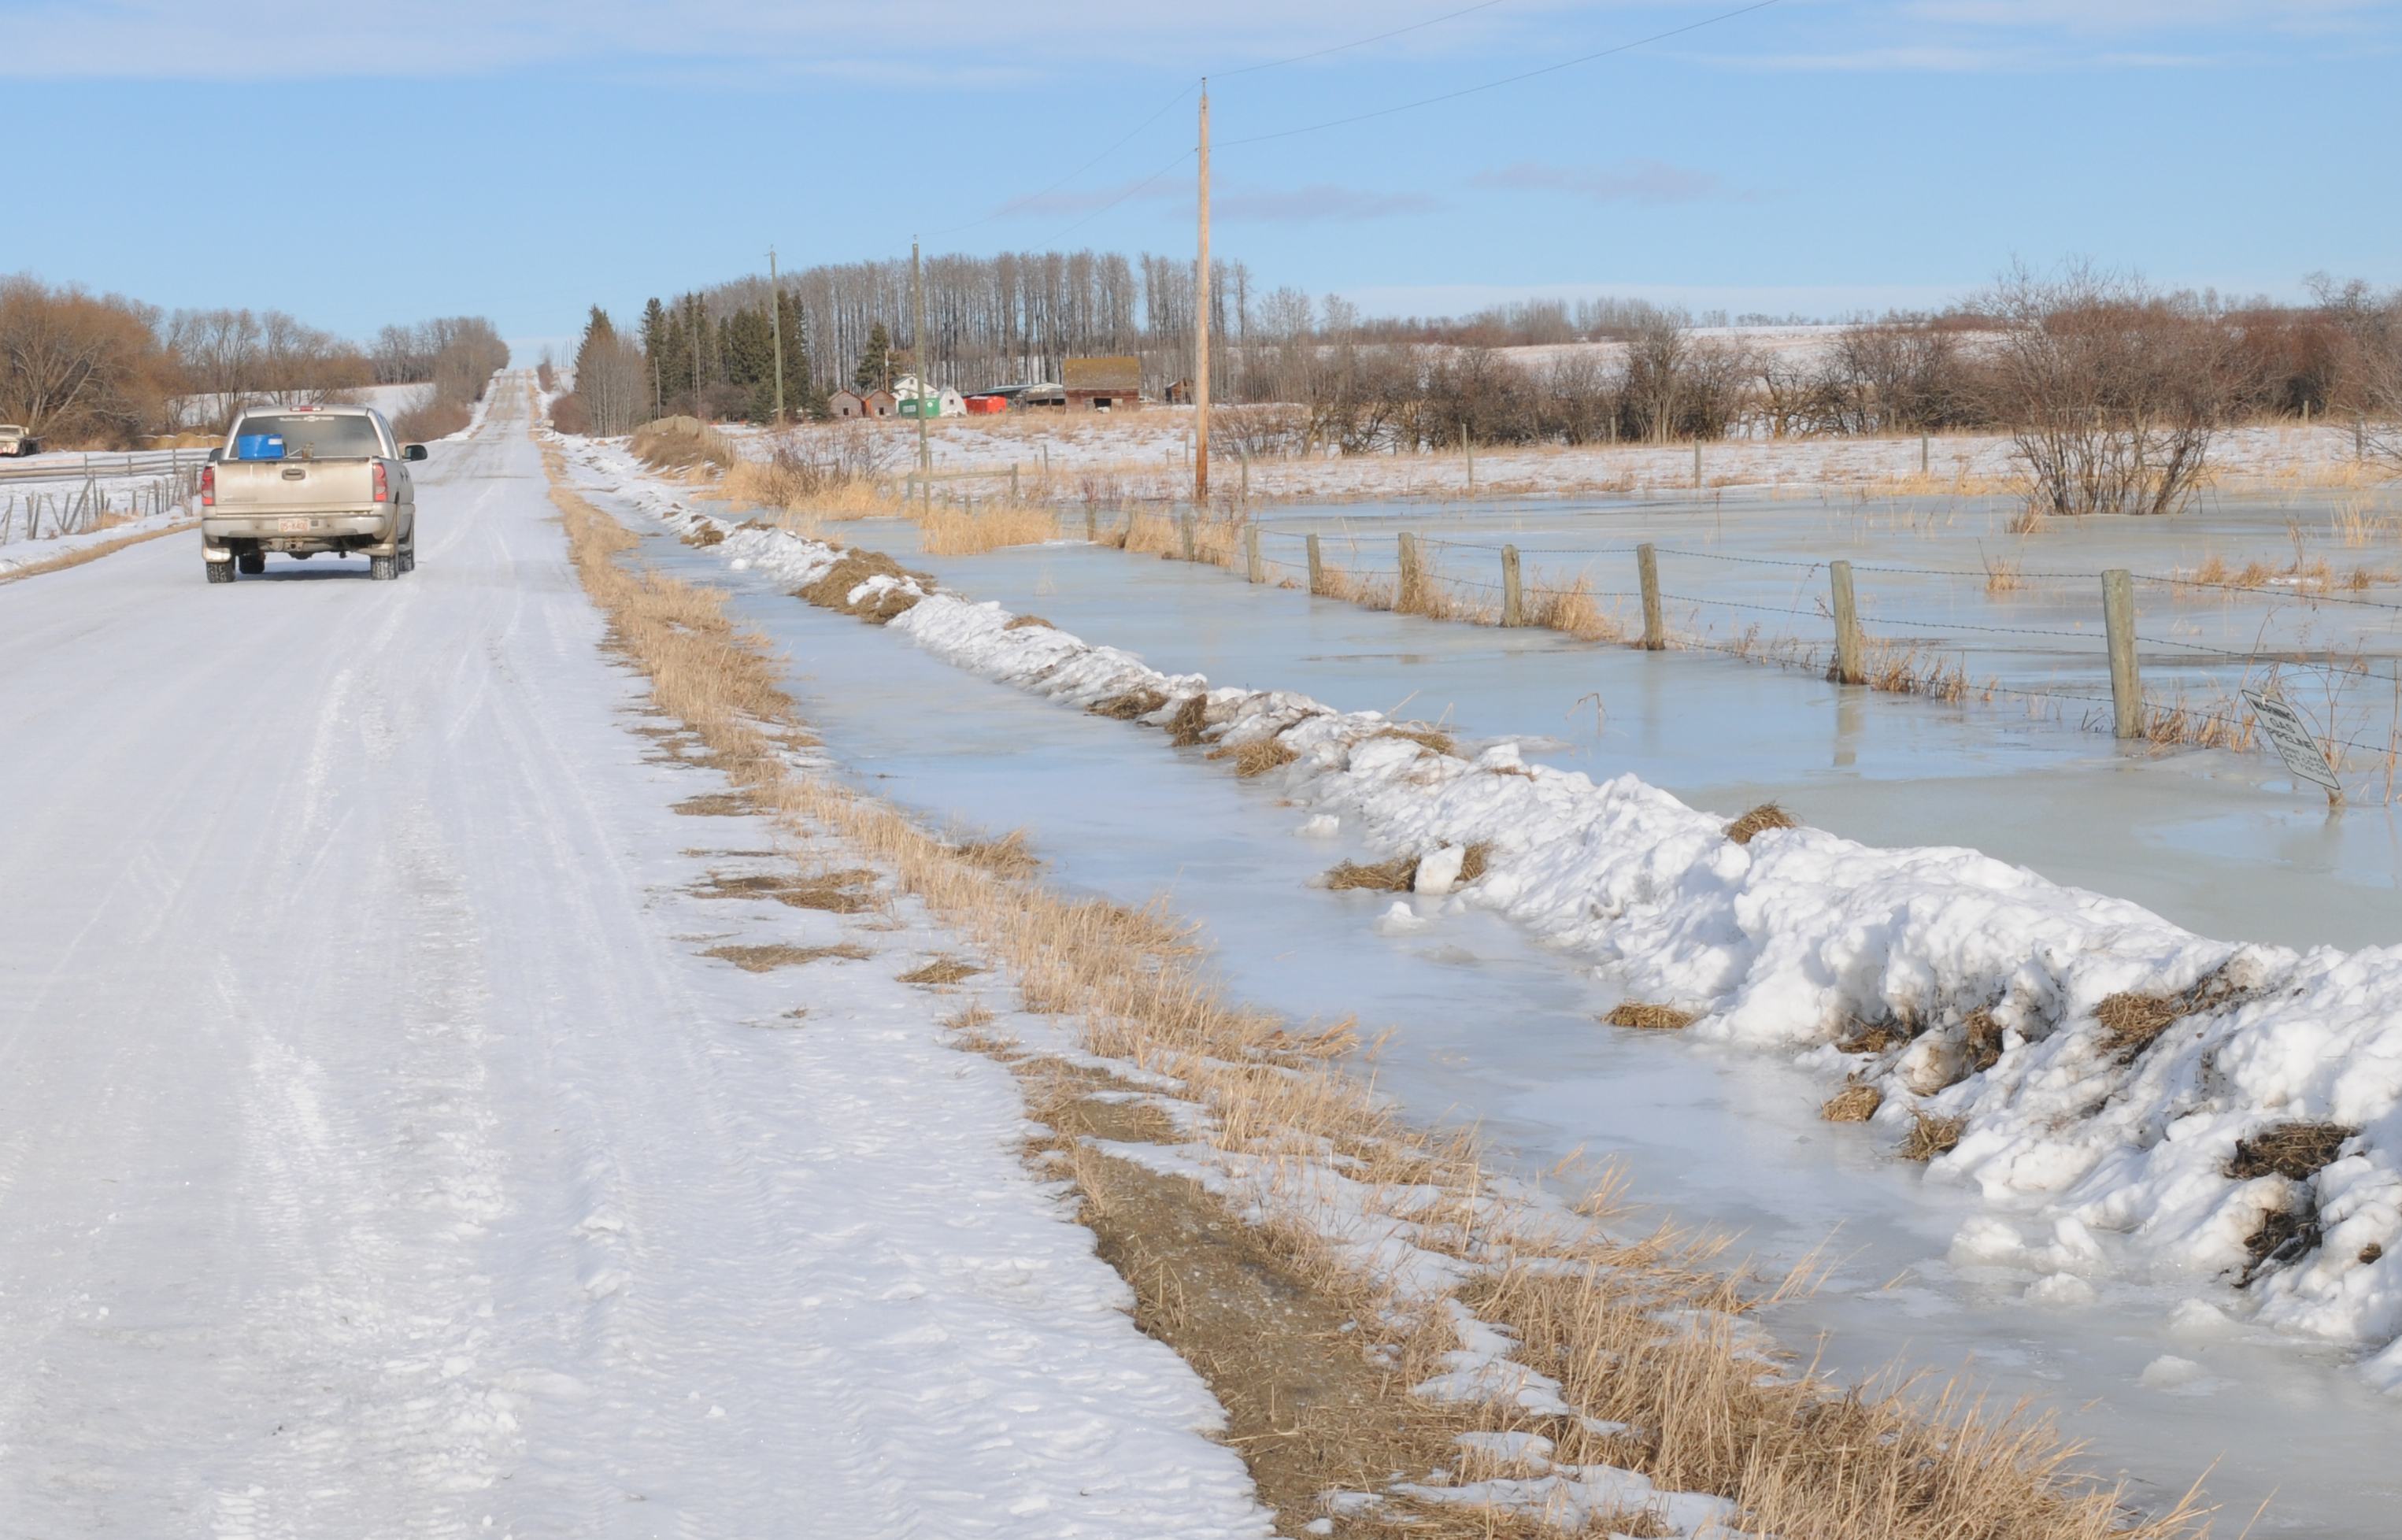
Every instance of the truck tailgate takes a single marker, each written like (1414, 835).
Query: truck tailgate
(267, 486)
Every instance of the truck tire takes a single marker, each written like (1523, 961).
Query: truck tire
(408, 555)
(383, 569)
(219, 572)
(252, 562)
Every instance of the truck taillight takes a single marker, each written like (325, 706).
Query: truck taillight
(208, 486)
(382, 484)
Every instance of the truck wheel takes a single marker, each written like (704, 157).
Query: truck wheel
(252, 562)
(408, 557)
(219, 572)
(383, 569)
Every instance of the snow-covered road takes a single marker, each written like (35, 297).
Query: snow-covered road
(379, 1155)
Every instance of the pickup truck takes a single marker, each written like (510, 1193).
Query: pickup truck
(298, 480)
(15, 441)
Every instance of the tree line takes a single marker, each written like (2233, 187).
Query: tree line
(103, 370)
(2089, 367)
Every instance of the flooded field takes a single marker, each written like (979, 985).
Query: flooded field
(1490, 1027)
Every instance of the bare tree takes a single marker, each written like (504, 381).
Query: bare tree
(2112, 390)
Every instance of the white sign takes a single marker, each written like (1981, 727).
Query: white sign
(2296, 746)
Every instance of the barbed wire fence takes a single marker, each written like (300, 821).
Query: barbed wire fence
(1865, 623)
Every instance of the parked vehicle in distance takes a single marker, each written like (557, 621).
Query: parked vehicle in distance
(16, 441)
(301, 481)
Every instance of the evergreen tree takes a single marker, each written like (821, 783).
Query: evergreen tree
(801, 398)
(655, 336)
(875, 372)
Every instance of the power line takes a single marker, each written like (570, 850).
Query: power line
(1181, 155)
(1361, 42)
(1505, 80)
(1080, 171)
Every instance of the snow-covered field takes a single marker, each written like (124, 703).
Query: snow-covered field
(1143, 453)
(1802, 938)
(380, 1154)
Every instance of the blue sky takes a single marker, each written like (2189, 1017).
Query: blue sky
(521, 158)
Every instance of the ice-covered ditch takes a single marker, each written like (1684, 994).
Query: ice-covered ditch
(1801, 940)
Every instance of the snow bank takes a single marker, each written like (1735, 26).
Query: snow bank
(1801, 939)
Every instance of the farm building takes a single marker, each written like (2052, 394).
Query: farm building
(879, 403)
(988, 405)
(1102, 385)
(846, 403)
(1043, 394)
(944, 402)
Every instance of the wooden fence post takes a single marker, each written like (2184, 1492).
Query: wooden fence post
(1092, 525)
(1012, 481)
(1407, 597)
(1647, 566)
(1923, 453)
(1251, 553)
(1316, 569)
(1848, 624)
(1697, 463)
(2126, 678)
(1468, 446)
(1514, 610)
(1185, 534)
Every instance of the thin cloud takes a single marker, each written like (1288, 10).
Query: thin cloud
(1654, 184)
(1317, 204)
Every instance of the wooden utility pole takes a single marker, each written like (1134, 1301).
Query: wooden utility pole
(925, 374)
(776, 325)
(1201, 325)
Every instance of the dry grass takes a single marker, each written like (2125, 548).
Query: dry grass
(1256, 756)
(2132, 1021)
(1474, 861)
(1029, 622)
(764, 959)
(1127, 707)
(1631, 1013)
(1760, 820)
(1637, 1327)
(1930, 1137)
(704, 535)
(942, 970)
(1009, 855)
(2297, 1151)
(1432, 739)
(2004, 576)
(1393, 875)
(949, 530)
(1851, 1104)
(833, 589)
(1570, 609)
(682, 443)
(1190, 725)
(851, 892)
(87, 553)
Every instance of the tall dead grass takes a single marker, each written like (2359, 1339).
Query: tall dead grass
(1640, 1329)
(951, 530)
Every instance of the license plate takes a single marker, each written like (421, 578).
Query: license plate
(293, 526)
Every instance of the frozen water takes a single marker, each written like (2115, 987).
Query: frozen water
(1491, 1028)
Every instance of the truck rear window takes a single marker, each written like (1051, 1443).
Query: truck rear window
(307, 436)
